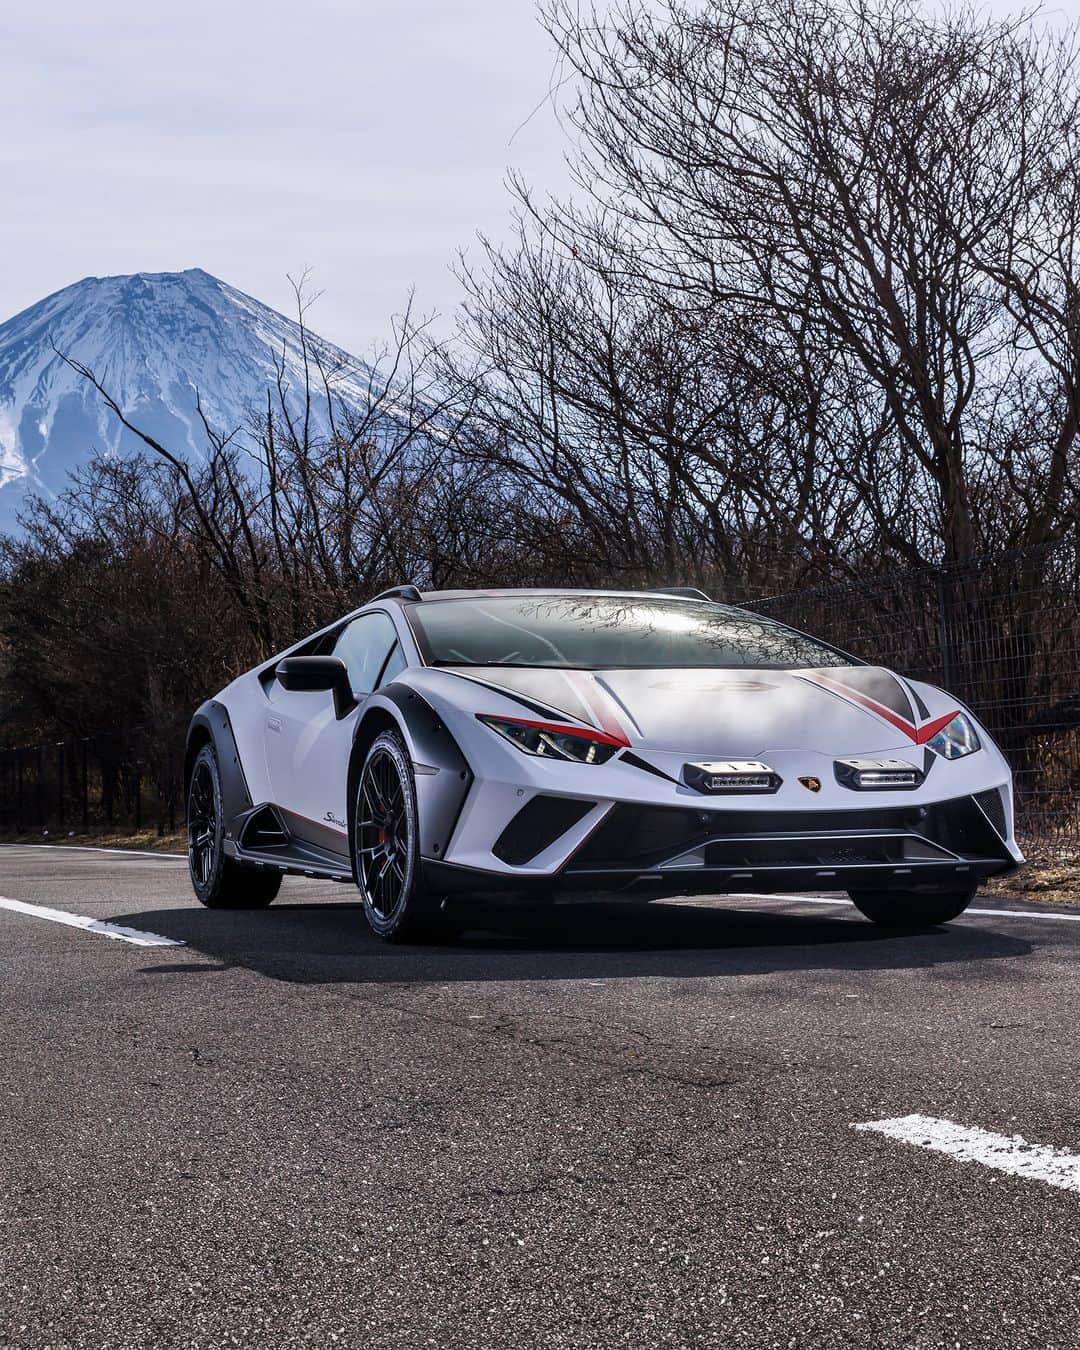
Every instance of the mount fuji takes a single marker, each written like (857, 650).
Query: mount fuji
(155, 340)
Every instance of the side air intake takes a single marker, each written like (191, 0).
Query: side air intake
(263, 829)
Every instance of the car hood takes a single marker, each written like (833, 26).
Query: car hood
(846, 710)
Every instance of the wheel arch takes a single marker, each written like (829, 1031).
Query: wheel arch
(211, 726)
(373, 721)
(199, 734)
(444, 779)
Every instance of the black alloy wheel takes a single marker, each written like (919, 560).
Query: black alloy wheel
(397, 904)
(219, 882)
(202, 825)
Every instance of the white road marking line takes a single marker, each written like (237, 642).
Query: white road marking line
(827, 900)
(102, 848)
(109, 930)
(1002, 1152)
(1026, 914)
(787, 896)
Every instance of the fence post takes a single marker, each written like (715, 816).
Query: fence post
(108, 782)
(19, 793)
(40, 759)
(169, 794)
(85, 793)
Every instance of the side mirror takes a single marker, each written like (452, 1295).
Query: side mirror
(308, 674)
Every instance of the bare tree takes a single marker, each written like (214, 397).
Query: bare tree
(885, 200)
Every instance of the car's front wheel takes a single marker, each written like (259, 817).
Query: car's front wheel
(219, 882)
(397, 904)
(910, 909)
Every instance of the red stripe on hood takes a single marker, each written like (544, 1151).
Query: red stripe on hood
(597, 702)
(919, 735)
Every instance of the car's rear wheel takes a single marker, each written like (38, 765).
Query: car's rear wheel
(397, 904)
(910, 909)
(219, 882)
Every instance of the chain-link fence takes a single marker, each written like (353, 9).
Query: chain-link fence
(1002, 634)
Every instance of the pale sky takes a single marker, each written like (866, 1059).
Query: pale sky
(252, 138)
(366, 141)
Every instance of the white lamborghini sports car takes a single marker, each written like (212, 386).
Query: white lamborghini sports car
(647, 743)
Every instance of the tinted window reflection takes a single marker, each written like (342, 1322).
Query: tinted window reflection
(608, 631)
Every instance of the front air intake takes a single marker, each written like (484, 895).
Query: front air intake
(992, 804)
(536, 827)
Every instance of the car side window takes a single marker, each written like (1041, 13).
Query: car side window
(364, 646)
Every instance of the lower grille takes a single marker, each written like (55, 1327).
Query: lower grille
(640, 837)
(818, 851)
(537, 825)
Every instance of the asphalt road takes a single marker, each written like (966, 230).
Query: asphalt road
(609, 1127)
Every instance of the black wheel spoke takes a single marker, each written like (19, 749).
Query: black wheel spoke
(382, 835)
(202, 825)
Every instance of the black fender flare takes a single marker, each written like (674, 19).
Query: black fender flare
(442, 773)
(210, 725)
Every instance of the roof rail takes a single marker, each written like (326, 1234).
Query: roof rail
(397, 593)
(683, 592)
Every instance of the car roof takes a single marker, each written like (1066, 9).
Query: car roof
(593, 591)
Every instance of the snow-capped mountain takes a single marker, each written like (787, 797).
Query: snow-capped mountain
(154, 340)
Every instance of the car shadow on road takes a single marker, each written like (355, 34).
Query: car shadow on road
(316, 944)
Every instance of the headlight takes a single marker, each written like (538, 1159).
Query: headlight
(956, 739)
(552, 740)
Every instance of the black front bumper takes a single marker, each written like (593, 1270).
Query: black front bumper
(661, 850)
(448, 879)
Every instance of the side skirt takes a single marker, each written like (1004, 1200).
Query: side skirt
(262, 837)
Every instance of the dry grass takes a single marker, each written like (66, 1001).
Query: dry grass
(145, 839)
(1052, 873)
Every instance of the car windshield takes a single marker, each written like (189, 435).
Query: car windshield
(606, 631)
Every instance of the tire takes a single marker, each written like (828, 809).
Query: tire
(386, 832)
(910, 909)
(219, 882)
